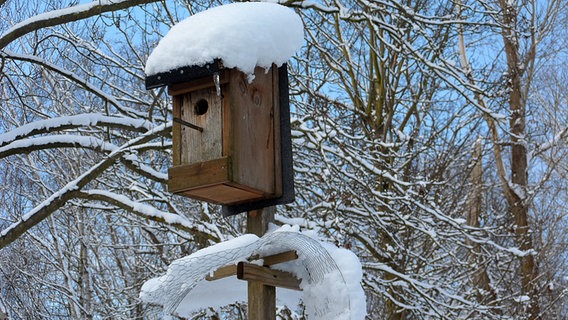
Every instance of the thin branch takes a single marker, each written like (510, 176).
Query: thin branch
(147, 212)
(62, 16)
(72, 122)
(69, 191)
(74, 78)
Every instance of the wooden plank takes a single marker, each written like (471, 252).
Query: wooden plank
(210, 181)
(203, 109)
(227, 128)
(176, 131)
(231, 270)
(222, 194)
(198, 84)
(276, 136)
(261, 298)
(279, 258)
(222, 272)
(268, 277)
(275, 258)
(253, 130)
(185, 177)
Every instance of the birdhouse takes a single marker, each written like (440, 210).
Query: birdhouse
(228, 134)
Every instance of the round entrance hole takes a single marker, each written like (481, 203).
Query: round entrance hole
(201, 107)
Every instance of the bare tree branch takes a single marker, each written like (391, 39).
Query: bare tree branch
(147, 212)
(62, 16)
(76, 79)
(55, 142)
(71, 122)
(58, 199)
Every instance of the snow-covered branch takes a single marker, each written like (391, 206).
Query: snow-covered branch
(76, 79)
(71, 122)
(149, 212)
(55, 141)
(61, 16)
(59, 198)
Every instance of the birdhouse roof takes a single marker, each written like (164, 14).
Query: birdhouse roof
(240, 35)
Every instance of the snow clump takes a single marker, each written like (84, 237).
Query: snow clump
(243, 35)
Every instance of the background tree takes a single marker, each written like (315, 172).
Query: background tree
(389, 99)
(525, 29)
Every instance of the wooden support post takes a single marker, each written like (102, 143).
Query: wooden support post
(261, 298)
(257, 220)
(261, 301)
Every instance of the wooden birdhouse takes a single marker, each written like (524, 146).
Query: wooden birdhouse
(231, 136)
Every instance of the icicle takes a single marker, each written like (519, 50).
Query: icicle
(217, 83)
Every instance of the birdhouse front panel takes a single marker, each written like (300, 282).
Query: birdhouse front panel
(203, 109)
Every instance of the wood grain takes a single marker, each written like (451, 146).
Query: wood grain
(199, 146)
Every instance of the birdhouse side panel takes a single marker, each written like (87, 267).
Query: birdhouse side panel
(201, 108)
(277, 133)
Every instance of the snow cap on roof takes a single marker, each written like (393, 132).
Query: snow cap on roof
(242, 35)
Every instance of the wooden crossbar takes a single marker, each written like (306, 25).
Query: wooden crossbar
(222, 272)
(268, 261)
(266, 276)
(279, 258)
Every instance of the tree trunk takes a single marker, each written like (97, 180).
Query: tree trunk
(481, 279)
(517, 199)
